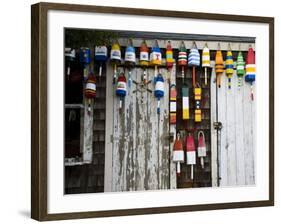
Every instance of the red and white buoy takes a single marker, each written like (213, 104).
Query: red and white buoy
(178, 153)
(90, 90)
(201, 150)
(190, 153)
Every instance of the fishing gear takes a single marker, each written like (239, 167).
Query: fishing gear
(206, 61)
(85, 59)
(121, 89)
(130, 59)
(115, 57)
(251, 69)
(185, 102)
(201, 150)
(182, 58)
(90, 90)
(219, 66)
(169, 56)
(101, 56)
(178, 153)
(194, 61)
(197, 98)
(190, 153)
(173, 104)
(70, 57)
(240, 68)
(159, 90)
(229, 66)
(144, 60)
(155, 58)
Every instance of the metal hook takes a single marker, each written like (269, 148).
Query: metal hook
(219, 46)
(206, 45)
(229, 47)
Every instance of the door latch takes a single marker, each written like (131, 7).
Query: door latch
(217, 125)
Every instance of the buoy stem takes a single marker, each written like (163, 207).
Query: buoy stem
(114, 73)
(252, 92)
(191, 174)
(178, 168)
(193, 77)
(182, 73)
(100, 70)
(120, 103)
(206, 78)
(229, 83)
(158, 106)
(202, 162)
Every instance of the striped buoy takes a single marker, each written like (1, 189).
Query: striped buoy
(159, 90)
(178, 153)
(182, 58)
(219, 67)
(85, 59)
(251, 69)
(190, 153)
(121, 88)
(169, 56)
(115, 58)
(185, 102)
(130, 59)
(197, 98)
(194, 61)
(173, 104)
(201, 150)
(100, 56)
(70, 57)
(229, 67)
(144, 59)
(155, 57)
(240, 68)
(206, 61)
(90, 89)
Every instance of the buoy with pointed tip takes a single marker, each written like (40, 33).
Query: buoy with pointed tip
(197, 98)
(90, 90)
(240, 68)
(121, 88)
(101, 56)
(229, 67)
(219, 67)
(201, 150)
(169, 56)
(251, 69)
(155, 58)
(182, 58)
(190, 153)
(206, 61)
(70, 57)
(85, 59)
(159, 90)
(115, 58)
(144, 59)
(178, 153)
(130, 60)
(173, 104)
(185, 102)
(194, 61)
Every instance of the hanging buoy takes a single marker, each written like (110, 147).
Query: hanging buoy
(229, 66)
(90, 90)
(159, 90)
(121, 89)
(85, 59)
(169, 56)
(100, 56)
(155, 58)
(130, 60)
(251, 69)
(201, 150)
(144, 60)
(240, 68)
(182, 58)
(219, 67)
(70, 57)
(185, 102)
(178, 153)
(194, 61)
(173, 104)
(190, 153)
(115, 57)
(206, 61)
(197, 98)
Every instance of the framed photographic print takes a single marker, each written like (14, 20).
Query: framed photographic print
(138, 111)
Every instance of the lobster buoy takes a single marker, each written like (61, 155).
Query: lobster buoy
(178, 153)
(173, 104)
(190, 153)
(90, 90)
(169, 56)
(100, 56)
(130, 59)
(229, 67)
(240, 68)
(197, 98)
(201, 150)
(251, 69)
(182, 58)
(194, 61)
(144, 59)
(185, 102)
(159, 90)
(206, 61)
(155, 57)
(121, 89)
(219, 67)
(70, 57)
(115, 58)
(85, 59)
